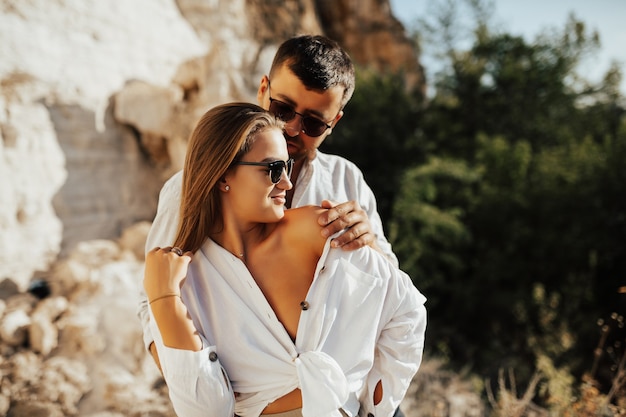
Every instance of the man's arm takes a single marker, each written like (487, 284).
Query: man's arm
(161, 234)
(399, 348)
(155, 355)
(196, 382)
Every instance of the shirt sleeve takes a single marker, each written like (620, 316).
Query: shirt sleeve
(196, 381)
(368, 203)
(165, 224)
(162, 233)
(381, 240)
(399, 348)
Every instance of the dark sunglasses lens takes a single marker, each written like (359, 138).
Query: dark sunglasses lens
(277, 168)
(313, 127)
(275, 174)
(276, 171)
(281, 110)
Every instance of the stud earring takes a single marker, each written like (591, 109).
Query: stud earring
(227, 188)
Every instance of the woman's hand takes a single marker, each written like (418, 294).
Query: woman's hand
(165, 272)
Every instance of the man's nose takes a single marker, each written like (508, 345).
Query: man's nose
(294, 126)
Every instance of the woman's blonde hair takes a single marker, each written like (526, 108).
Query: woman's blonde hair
(222, 136)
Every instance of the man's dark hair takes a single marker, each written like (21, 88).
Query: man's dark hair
(319, 62)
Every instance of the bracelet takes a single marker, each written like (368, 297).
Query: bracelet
(171, 294)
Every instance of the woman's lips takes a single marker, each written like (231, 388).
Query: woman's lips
(279, 199)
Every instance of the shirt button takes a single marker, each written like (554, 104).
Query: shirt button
(212, 356)
(304, 305)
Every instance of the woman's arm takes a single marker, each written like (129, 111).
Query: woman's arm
(164, 274)
(196, 381)
(162, 233)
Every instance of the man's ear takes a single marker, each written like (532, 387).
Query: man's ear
(337, 118)
(260, 94)
(335, 121)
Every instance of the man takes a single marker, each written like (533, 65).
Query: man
(310, 82)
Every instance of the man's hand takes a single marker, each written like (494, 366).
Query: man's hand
(155, 356)
(349, 216)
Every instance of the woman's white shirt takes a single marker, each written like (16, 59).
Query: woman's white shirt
(363, 321)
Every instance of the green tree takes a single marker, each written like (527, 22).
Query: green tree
(378, 133)
(516, 226)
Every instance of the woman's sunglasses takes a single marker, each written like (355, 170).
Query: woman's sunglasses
(275, 168)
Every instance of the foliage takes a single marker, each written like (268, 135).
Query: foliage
(507, 402)
(528, 241)
(557, 385)
(558, 390)
(377, 132)
(503, 196)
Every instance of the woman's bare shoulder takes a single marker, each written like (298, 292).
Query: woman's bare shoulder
(305, 213)
(302, 224)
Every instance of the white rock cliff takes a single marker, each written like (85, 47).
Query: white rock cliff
(97, 99)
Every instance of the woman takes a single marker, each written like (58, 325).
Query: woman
(299, 327)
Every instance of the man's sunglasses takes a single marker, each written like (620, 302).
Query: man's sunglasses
(311, 126)
(275, 168)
